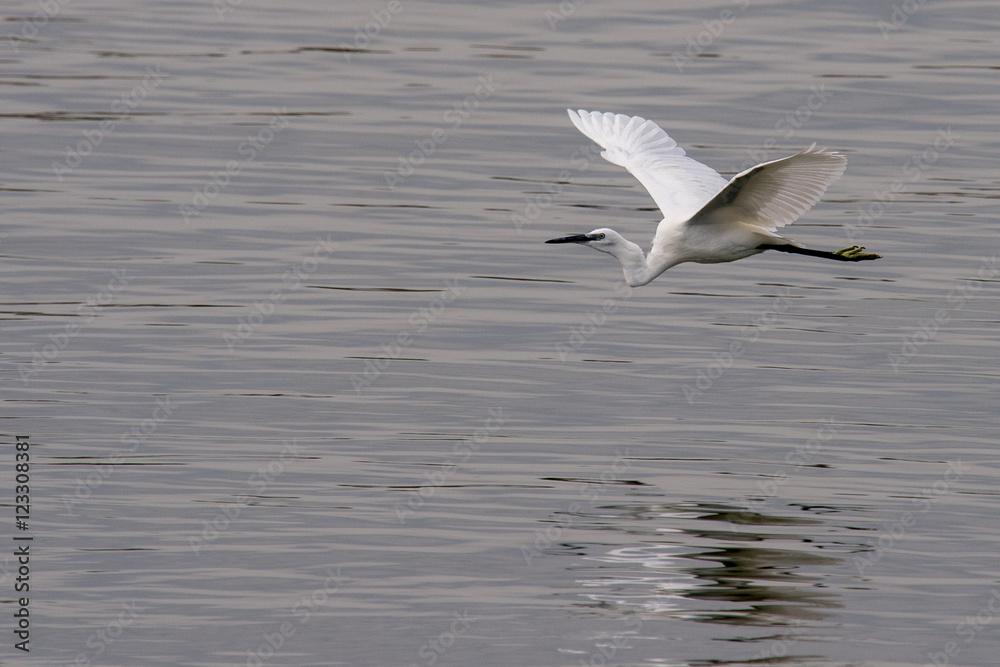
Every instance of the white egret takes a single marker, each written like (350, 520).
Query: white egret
(705, 218)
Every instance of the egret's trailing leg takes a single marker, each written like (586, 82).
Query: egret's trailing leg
(852, 254)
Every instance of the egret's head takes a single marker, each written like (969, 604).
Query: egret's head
(604, 239)
(630, 255)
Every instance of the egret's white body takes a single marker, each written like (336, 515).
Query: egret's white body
(706, 219)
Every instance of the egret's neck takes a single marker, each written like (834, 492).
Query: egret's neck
(634, 265)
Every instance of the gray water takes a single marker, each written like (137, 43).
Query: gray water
(303, 385)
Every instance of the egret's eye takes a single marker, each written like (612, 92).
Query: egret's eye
(600, 236)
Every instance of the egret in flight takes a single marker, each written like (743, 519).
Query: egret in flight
(705, 218)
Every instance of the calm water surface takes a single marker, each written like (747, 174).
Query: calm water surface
(305, 387)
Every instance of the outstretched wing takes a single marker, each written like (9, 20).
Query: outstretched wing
(776, 193)
(679, 185)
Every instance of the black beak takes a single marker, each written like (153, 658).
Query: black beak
(578, 238)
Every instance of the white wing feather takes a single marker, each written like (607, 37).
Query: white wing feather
(776, 193)
(679, 185)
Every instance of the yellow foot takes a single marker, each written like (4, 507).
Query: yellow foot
(854, 254)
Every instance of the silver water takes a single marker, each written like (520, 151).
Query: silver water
(305, 387)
